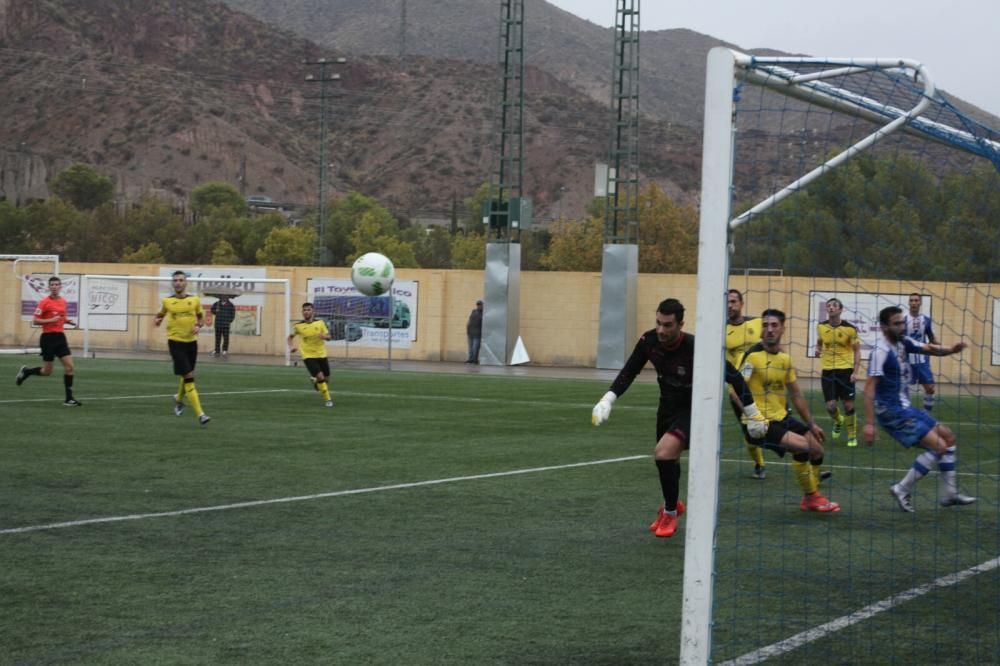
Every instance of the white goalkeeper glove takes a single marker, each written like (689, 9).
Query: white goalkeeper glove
(602, 410)
(756, 423)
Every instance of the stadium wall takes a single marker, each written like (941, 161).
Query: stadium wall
(559, 314)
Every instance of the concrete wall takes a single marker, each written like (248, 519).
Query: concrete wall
(559, 313)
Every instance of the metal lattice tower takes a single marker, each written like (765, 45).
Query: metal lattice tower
(321, 253)
(621, 211)
(508, 149)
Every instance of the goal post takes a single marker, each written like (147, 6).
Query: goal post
(767, 146)
(117, 312)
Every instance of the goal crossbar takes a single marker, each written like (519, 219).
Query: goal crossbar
(769, 72)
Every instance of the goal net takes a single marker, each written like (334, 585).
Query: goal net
(32, 273)
(117, 313)
(855, 180)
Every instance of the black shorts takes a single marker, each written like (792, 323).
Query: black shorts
(837, 385)
(317, 365)
(53, 346)
(776, 431)
(185, 355)
(677, 423)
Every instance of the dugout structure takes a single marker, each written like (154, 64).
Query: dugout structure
(840, 169)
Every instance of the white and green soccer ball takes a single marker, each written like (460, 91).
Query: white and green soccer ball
(372, 274)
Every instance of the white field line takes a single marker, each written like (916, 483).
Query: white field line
(149, 397)
(304, 498)
(409, 396)
(374, 489)
(816, 633)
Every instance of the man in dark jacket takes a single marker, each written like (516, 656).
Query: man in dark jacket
(474, 331)
(223, 316)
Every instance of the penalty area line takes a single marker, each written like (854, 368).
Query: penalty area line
(800, 639)
(305, 498)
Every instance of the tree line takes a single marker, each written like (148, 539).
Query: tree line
(872, 217)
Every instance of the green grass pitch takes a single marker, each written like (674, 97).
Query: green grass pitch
(448, 519)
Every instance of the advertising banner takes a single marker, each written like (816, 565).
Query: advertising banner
(861, 309)
(35, 287)
(249, 297)
(364, 320)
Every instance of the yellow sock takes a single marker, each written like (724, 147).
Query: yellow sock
(804, 475)
(838, 418)
(852, 426)
(192, 396)
(180, 391)
(324, 389)
(814, 468)
(756, 454)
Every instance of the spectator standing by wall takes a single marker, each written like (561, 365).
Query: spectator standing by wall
(474, 331)
(223, 316)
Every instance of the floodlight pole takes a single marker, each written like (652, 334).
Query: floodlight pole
(321, 255)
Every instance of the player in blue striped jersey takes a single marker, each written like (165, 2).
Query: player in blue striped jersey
(919, 328)
(887, 399)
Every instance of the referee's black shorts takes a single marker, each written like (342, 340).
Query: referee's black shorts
(316, 366)
(184, 354)
(837, 385)
(53, 346)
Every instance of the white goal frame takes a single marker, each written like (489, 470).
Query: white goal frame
(725, 66)
(15, 258)
(85, 290)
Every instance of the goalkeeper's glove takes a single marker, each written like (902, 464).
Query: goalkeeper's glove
(602, 410)
(756, 423)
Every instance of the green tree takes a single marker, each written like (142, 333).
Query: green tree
(287, 246)
(370, 235)
(576, 245)
(223, 253)
(150, 253)
(473, 218)
(433, 250)
(343, 216)
(217, 197)
(468, 251)
(83, 187)
(668, 234)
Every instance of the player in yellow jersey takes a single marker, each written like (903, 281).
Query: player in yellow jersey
(839, 349)
(314, 334)
(741, 334)
(185, 318)
(769, 373)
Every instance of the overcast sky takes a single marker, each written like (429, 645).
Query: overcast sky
(956, 40)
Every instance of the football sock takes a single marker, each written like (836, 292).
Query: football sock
(924, 463)
(180, 391)
(670, 477)
(814, 466)
(324, 389)
(68, 383)
(192, 396)
(837, 417)
(756, 454)
(33, 371)
(928, 401)
(852, 424)
(804, 474)
(947, 468)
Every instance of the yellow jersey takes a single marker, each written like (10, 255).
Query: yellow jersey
(768, 376)
(837, 345)
(181, 313)
(740, 338)
(313, 343)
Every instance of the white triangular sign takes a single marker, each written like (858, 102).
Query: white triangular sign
(520, 354)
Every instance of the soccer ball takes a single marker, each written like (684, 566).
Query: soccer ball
(372, 274)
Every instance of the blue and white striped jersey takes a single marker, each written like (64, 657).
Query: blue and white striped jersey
(918, 329)
(890, 362)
